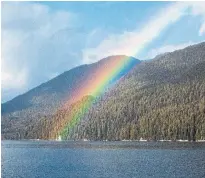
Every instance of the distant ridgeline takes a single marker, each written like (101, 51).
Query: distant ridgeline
(123, 99)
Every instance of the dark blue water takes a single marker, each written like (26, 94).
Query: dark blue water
(39, 159)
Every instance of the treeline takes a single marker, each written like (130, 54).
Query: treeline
(161, 99)
(169, 112)
(165, 114)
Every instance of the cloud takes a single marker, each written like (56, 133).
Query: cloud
(33, 35)
(168, 48)
(198, 9)
(39, 42)
(132, 42)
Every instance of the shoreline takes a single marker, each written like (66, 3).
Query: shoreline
(85, 140)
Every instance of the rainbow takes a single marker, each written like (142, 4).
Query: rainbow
(107, 73)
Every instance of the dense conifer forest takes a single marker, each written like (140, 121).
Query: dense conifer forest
(159, 99)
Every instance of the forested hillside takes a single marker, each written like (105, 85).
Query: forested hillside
(159, 99)
(26, 110)
(163, 98)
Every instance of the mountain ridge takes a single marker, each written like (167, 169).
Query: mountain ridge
(162, 98)
(59, 79)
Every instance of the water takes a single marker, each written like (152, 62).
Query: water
(39, 159)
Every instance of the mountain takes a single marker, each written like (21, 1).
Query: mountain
(46, 99)
(160, 99)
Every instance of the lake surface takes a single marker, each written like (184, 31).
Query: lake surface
(52, 159)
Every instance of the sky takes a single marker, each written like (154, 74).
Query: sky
(40, 40)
